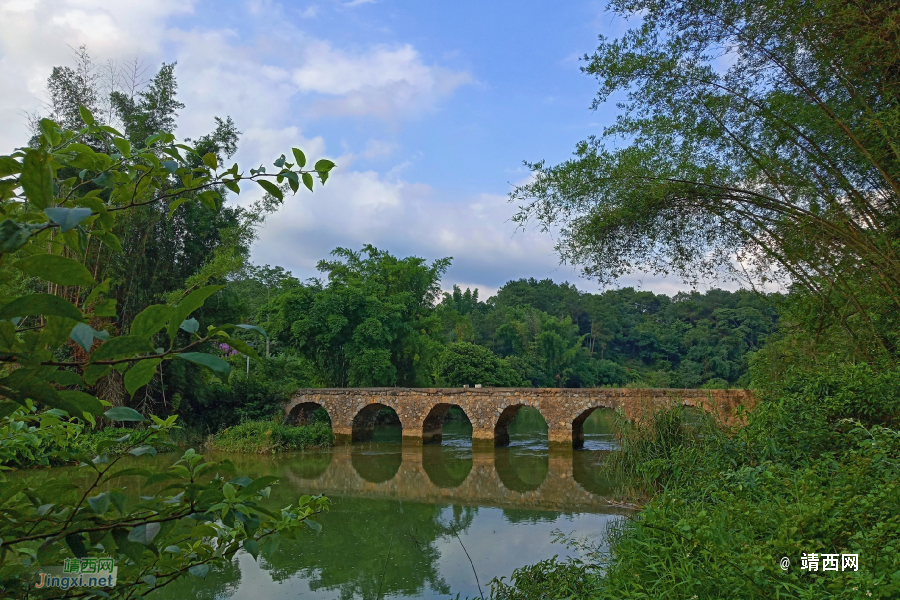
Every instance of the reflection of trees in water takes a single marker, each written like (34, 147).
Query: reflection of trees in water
(587, 471)
(348, 555)
(222, 581)
(530, 516)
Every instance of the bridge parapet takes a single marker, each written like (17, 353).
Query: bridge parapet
(421, 410)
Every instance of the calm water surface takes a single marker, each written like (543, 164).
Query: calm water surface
(397, 509)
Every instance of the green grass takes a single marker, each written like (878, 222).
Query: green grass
(267, 437)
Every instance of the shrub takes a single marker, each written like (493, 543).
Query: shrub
(265, 437)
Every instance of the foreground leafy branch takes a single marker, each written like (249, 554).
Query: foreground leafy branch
(59, 197)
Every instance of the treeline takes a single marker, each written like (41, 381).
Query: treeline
(377, 320)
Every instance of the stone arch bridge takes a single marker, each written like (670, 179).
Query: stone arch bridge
(421, 410)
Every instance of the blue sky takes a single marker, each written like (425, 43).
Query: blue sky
(428, 108)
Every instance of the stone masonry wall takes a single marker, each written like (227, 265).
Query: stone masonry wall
(421, 410)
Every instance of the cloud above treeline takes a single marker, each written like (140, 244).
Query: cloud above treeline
(275, 97)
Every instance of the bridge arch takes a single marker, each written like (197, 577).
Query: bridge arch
(501, 428)
(433, 425)
(581, 419)
(302, 413)
(365, 420)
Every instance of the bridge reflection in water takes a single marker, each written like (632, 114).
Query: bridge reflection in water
(397, 511)
(525, 474)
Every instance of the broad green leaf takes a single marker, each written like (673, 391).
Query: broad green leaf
(123, 146)
(66, 378)
(293, 181)
(22, 385)
(233, 186)
(299, 157)
(8, 340)
(243, 347)
(208, 199)
(84, 335)
(67, 218)
(8, 408)
(123, 413)
(150, 320)
(56, 269)
(271, 188)
(259, 330)
(50, 131)
(131, 472)
(210, 160)
(175, 204)
(80, 402)
(12, 236)
(122, 347)
(207, 360)
(40, 304)
(9, 166)
(194, 301)
(86, 115)
(75, 542)
(140, 374)
(37, 178)
(257, 485)
(144, 534)
(324, 165)
(92, 373)
(252, 547)
(142, 450)
(190, 325)
(99, 503)
(308, 181)
(131, 549)
(199, 571)
(56, 331)
(313, 525)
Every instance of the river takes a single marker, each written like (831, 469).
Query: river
(403, 518)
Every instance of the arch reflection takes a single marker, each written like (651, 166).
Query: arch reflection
(310, 465)
(447, 467)
(587, 472)
(376, 462)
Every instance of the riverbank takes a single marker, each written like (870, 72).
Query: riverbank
(814, 471)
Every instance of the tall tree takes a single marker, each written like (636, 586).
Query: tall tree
(762, 142)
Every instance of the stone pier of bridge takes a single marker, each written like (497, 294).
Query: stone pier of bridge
(421, 411)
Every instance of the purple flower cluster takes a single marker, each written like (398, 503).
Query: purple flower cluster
(226, 350)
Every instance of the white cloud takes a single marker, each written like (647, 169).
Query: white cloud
(380, 81)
